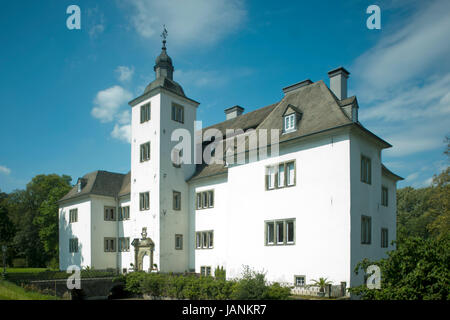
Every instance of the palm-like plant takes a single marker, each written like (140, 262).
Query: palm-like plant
(322, 283)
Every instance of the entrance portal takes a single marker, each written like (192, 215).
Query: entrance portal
(143, 253)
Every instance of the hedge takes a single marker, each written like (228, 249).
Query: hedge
(252, 286)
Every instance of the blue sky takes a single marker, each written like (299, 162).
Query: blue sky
(64, 93)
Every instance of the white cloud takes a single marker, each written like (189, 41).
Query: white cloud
(412, 177)
(107, 103)
(407, 52)
(122, 132)
(188, 22)
(427, 101)
(122, 129)
(403, 81)
(95, 22)
(125, 73)
(5, 170)
(124, 117)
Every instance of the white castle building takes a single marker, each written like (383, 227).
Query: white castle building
(319, 202)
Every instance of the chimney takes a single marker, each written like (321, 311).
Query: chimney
(296, 86)
(338, 82)
(233, 112)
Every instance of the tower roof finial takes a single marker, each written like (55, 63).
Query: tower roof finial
(164, 36)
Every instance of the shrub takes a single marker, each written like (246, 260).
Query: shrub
(134, 282)
(154, 284)
(252, 286)
(220, 273)
(277, 292)
(19, 263)
(191, 289)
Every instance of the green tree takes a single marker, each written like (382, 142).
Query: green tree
(322, 283)
(418, 269)
(6, 226)
(35, 209)
(439, 200)
(48, 223)
(424, 212)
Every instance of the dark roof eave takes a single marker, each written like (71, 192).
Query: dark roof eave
(87, 195)
(195, 178)
(150, 93)
(390, 173)
(84, 195)
(383, 143)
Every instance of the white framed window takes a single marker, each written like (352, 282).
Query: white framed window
(145, 112)
(384, 238)
(366, 169)
(110, 244)
(210, 199)
(280, 232)
(210, 239)
(290, 232)
(124, 213)
(178, 241)
(73, 245)
(290, 168)
(177, 113)
(124, 244)
(198, 237)
(205, 199)
(73, 215)
(205, 239)
(199, 200)
(289, 122)
(144, 201)
(300, 281)
(176, 200)
(270, 229)
(145, 151)
(366, 230)
(271, 177)
(205, 271)
(281, 181)
(110, 213)
(384, 196)
(280, 175)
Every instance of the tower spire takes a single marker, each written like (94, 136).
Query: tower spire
(163, 66)
(164, 36)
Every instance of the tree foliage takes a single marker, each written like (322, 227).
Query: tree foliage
(418, 269)
(7, 229)
(425, 212)
(34, 214)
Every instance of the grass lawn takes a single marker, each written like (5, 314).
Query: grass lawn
(10, 291)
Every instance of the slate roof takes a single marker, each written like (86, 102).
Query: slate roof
(102, 183)
(126, 185)
(321, 111)
(166, 83)
(245, 121)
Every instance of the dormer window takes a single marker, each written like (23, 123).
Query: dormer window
(291, 117)
(80, 184)
(289, 122)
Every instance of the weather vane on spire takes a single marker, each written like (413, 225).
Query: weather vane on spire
(164, 36)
